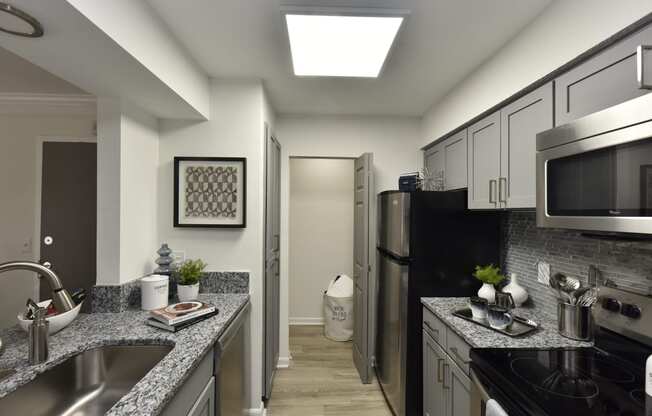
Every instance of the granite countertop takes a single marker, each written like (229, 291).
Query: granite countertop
(150, 395)
(477, 336)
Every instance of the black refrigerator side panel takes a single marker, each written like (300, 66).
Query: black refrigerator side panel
(447, 241)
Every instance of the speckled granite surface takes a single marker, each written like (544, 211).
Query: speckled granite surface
(150, 395)
(477, 336)
(127, 296)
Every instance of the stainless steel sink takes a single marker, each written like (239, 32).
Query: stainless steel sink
(89, 383)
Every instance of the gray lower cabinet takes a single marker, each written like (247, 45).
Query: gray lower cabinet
(607, 79)
(434, 358)
(199, 388)
(446, 382)
(457, 387)
(205, 404)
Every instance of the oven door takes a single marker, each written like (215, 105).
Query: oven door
(598, 183)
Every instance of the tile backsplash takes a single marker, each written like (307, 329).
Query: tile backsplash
(627, 263)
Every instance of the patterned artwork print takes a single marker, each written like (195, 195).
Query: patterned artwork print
(211, 191)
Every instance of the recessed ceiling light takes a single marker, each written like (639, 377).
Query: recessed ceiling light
(341, 45)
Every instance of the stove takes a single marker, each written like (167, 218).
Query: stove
(605, 380)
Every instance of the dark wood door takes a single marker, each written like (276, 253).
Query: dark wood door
(69, 213)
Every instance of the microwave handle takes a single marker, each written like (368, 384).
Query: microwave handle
(640, 66)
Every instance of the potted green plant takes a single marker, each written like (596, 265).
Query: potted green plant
(189, 274)
(489, 276)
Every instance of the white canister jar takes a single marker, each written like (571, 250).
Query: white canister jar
(154, 292)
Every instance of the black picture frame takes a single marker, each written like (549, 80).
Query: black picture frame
(178, 161)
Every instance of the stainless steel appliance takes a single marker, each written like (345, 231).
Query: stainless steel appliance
(607, 379)
(596, 172)
(230, 368)
(428, 245)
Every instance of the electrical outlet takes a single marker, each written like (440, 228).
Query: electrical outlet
(543, 273)
(179, 256)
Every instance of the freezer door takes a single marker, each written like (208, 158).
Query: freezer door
(392, 334)
(394, 223)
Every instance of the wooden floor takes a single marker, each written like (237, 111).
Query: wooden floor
(322, 380)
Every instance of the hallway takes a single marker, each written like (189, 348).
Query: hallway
(322, 380)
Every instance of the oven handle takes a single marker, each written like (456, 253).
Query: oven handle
(483, 392)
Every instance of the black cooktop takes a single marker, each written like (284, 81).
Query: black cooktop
(583, 381)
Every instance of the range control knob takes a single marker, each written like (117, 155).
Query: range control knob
(631, 311)
(611, 304)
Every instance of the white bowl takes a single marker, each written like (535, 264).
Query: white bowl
(57, 322)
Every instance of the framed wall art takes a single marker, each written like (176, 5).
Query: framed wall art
(210, 192)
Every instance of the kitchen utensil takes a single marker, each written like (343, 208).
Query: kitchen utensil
(555, 284)
(575, 321)
(505, 300)
(588, 298)
(577, 294)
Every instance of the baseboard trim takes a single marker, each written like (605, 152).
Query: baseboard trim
(261, 411)
(283, 362)
(306, 321)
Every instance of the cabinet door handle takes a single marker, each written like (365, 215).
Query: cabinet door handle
(502, 190)
(443, 381)
(435, 330)
(492, 187)
(640, 66)
(440, 378)
(457, 354)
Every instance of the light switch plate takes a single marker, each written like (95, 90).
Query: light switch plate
(179, 256)
(543, 273)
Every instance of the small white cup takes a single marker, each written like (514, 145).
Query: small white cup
(154, 292)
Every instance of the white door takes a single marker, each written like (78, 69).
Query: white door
(363, 255)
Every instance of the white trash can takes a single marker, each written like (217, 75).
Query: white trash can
(338, 309)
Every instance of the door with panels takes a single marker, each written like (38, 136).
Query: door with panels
(434, 359)
(363, 277)
(433, 161)
(457, 388)
(272, 260)
(455, 161)
(484, 162)
(520, 122)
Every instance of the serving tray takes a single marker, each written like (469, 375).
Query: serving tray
(518, 328)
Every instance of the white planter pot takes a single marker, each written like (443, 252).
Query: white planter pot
(488, 292)
(518, 292)
(188, 292)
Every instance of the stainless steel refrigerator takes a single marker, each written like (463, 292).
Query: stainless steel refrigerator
(428, 246)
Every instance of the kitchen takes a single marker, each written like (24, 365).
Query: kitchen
(160, 88)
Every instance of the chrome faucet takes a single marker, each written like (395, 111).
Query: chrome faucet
(60, 296)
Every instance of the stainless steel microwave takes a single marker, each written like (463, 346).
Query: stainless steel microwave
(595, 173)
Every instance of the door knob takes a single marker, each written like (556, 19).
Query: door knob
(48, 240)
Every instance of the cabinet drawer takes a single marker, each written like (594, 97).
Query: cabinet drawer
(434, 327)
(458, 350)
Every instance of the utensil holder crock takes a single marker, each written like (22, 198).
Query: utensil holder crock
(575, 322)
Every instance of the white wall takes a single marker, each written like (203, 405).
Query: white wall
(127, 233)
(321, 232)
(563, 31)
(18, 137)
(235, 129)
(393, 141)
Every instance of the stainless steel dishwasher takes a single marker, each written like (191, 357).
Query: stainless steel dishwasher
(230, 368)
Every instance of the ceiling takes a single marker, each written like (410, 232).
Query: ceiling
(18, 75)
(440, 44)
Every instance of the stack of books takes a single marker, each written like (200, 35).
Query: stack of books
(181, 315)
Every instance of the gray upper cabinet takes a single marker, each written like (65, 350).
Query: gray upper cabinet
(484, 162)
(434, 163)
(607, 79)
(520, 123)
(455, 160)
